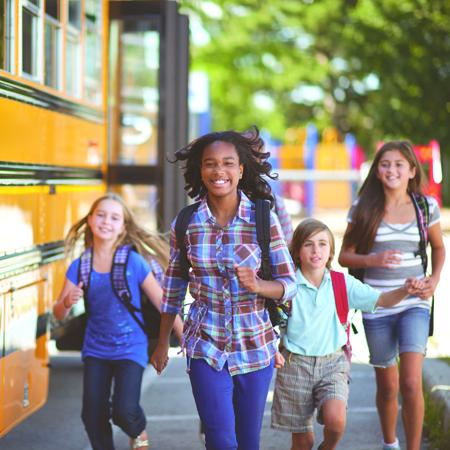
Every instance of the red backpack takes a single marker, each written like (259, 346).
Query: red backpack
(341, 301)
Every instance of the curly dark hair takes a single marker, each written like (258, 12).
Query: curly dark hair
(250, 149)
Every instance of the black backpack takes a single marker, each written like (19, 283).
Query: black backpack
(278, 313)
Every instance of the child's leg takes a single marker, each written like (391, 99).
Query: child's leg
(95, 414)
(334, 419)
(213, 394)
(332, 395)
(127, 413)
(302, 441)
(249, 398)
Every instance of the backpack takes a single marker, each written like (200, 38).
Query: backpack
(341, 302)
(422, 210)
(277, 313)
(151, 316)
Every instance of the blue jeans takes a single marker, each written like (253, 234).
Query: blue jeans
(98, 407)
(390, 335)
(231, 408)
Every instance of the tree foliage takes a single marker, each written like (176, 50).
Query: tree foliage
(377, 68)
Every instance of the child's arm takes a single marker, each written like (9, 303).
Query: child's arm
(349, 258)
(160, 356)
(70, 294)
(412, 286)
(437, 260)
(270, 289)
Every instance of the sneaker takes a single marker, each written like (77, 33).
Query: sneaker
(392, 447)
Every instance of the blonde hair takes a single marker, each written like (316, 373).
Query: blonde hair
(146, 243)
(304, 230)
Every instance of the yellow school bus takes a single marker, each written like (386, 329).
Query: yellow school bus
(81, 112)
(52, 165)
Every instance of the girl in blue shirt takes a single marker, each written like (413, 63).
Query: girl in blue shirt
(114, 347)
(315, 375)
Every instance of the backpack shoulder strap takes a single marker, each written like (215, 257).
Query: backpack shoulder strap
(84, 273)
(120, 283)
(181, 226)
(262, 209)
(340, 295)
(422, 210)
(119, 273)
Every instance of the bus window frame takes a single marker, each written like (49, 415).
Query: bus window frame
(88, 82)
(8, 63)
(57, 54)
(37, 16)
(73, 35)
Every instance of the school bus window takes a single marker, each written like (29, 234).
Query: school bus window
(73, 48)
(30, 38)
(74, 13)
(2, 33)
(93, 62)
(52, 67)
(8, 34)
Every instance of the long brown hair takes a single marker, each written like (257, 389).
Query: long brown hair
(146, 243)
(306, 229)
(369, 210)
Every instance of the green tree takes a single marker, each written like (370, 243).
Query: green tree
(377, 68)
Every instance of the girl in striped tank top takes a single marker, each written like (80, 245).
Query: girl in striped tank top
(382, 239)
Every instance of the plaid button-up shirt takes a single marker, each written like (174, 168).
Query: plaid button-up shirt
(284, 218)
(226, 323)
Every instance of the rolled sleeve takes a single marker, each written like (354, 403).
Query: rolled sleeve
(360, 295)
(281, 261)
(175, 286)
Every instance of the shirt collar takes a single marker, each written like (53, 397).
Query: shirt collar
(243, 212)
(301, 280)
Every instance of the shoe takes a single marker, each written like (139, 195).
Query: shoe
(141, 442)
(320, 446)
(389, 447)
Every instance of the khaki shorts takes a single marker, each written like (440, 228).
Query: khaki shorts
(303, 385)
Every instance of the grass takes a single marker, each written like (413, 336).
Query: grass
(434, 423)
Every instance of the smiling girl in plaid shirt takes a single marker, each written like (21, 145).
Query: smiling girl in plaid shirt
(228, 338)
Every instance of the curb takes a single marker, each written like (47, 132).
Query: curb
(436, 380)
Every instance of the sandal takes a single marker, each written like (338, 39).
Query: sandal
(140, 442)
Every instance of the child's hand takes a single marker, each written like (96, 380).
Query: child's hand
(160, 357)
(247, 278)
(429, 286)
(73, 296)
(414, 286)
(279, 360)
(388, 259)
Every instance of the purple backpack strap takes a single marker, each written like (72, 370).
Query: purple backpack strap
(84, 272)
(119, 273)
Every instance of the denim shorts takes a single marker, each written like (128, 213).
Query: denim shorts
(391, 335)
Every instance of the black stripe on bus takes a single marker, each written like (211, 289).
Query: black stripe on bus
(22, 174)
(15, 90)
(42, 325)
(31, 258)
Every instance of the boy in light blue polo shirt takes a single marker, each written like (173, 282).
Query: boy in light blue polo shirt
(315, 374)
